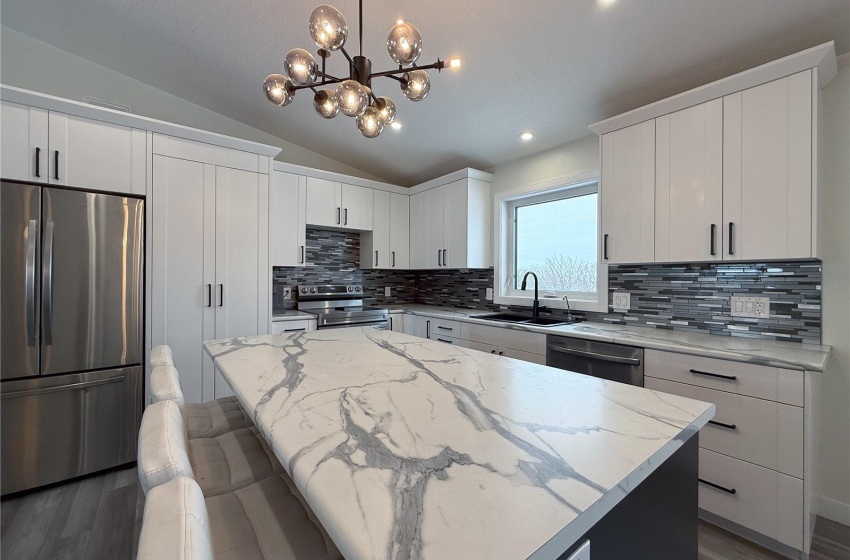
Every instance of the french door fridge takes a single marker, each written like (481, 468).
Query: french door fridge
(71, 308)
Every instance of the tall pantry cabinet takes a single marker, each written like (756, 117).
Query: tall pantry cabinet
(210, 257)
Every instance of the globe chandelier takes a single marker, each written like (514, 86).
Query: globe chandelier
(353, 95)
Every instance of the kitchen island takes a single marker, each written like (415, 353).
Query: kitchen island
(410, 448)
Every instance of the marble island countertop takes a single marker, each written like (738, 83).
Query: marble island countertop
(408, 448)
(788, 355)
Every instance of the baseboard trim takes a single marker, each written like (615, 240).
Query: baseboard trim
(762, 540)
(834, 510)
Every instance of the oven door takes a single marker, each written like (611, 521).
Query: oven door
(344, 323)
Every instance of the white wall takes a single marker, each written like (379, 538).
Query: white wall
(583, 155)
(835, 224)
(31, 64)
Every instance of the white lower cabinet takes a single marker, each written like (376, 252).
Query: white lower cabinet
(209, 265)
(397, 322)
(416, 325)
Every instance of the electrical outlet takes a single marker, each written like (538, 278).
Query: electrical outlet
(388, 291)
(287, 293)
(489, 294)
(622, 301)
(757, 307)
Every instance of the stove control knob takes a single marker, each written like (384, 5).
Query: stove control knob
(357, 289)
(312, 290)
(351, 288)
(303, 290)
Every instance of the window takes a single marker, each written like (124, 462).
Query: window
(553, 231)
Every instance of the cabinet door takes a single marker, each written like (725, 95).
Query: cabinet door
(380, 255)
(455, 215)
(767, 170)
(96, 155)
(434, 228)
(628, 194)
(689, 184)
(302, 222)
(283, 219)
(397, 322)
(238, 248)
(416, 325)
(418, 232)
(400, 226)
(356, 207)
(322, 209)
(183, 268)
(23, 142)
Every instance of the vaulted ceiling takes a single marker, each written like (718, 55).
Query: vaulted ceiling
(549, 66)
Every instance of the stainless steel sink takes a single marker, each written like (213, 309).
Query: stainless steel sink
(524, 319)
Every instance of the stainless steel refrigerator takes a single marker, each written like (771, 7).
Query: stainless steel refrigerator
(71, 313)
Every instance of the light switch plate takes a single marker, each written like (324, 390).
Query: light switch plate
(757, 307)
(622, 301)
(388, 291)
(489, 294)
(287, 293)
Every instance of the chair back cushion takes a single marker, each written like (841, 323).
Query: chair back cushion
(176, 524)
(163, 446)
(165, 385)
(161, 356)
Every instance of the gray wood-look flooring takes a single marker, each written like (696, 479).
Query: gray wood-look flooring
(100, 518)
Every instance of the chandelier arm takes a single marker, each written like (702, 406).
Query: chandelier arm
(439, 65)
(311, 86)
(333, 79)
(347, 56)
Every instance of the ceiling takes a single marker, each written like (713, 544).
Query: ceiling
(549, 66)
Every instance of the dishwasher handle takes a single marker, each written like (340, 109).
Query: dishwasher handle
(595, 355)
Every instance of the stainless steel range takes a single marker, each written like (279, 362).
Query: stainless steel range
(337, 306)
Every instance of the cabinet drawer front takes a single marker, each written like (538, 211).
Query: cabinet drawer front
(524, 356)
(292, 326)
(763, 432)
(444, 328)
(762, 382)
(506, 338)
(765, 501)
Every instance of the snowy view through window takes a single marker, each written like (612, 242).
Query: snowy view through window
(557, 241)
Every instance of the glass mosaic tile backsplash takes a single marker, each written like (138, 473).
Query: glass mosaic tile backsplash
(680, 297)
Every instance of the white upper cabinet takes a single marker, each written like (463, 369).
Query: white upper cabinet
(399, 231)
(450, 226)
(628, 194)
(23, 142)
(338, 205)
(767, 170)
(689, 184)
(50, 147)
(286, 219)
(375, 245)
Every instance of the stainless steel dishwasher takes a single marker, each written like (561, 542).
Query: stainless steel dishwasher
(614, 362)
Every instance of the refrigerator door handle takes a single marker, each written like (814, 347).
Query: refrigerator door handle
(47, 271)
(57, 388)
(32, 232)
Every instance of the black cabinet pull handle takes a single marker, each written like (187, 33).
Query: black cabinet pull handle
(221, 295)
(501, 353)
(442, 328)
(605, 246)
(209, 295)
(445, 257)
(492, 351)
(302, 254)
(713, 239)
(376, 258)
(345, 221)
(439, 257)
(393, 256)
(38, 162)
(338, 210)
(713, 485)
(295, 330)
(729, 377)
(427, 329)
(723, 425)
(56, 165)
(446, 341)
(731, 243)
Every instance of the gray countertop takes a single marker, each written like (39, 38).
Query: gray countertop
(410, 448)
(788, 355)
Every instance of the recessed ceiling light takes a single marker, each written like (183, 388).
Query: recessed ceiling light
(396, 125)
(526, 136)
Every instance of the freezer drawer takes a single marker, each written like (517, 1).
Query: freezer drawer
(64, 426)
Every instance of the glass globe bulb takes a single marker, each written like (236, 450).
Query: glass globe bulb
(353, 97)
(328, 28)
(301, 67)
(326, 103)
(278, 89)
(386, 108)
(404, 43)
(370, 123)
(417, 85)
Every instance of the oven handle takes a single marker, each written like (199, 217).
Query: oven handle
(352, 323)
(596, 356)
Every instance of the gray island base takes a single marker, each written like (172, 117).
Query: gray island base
(408, 448)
